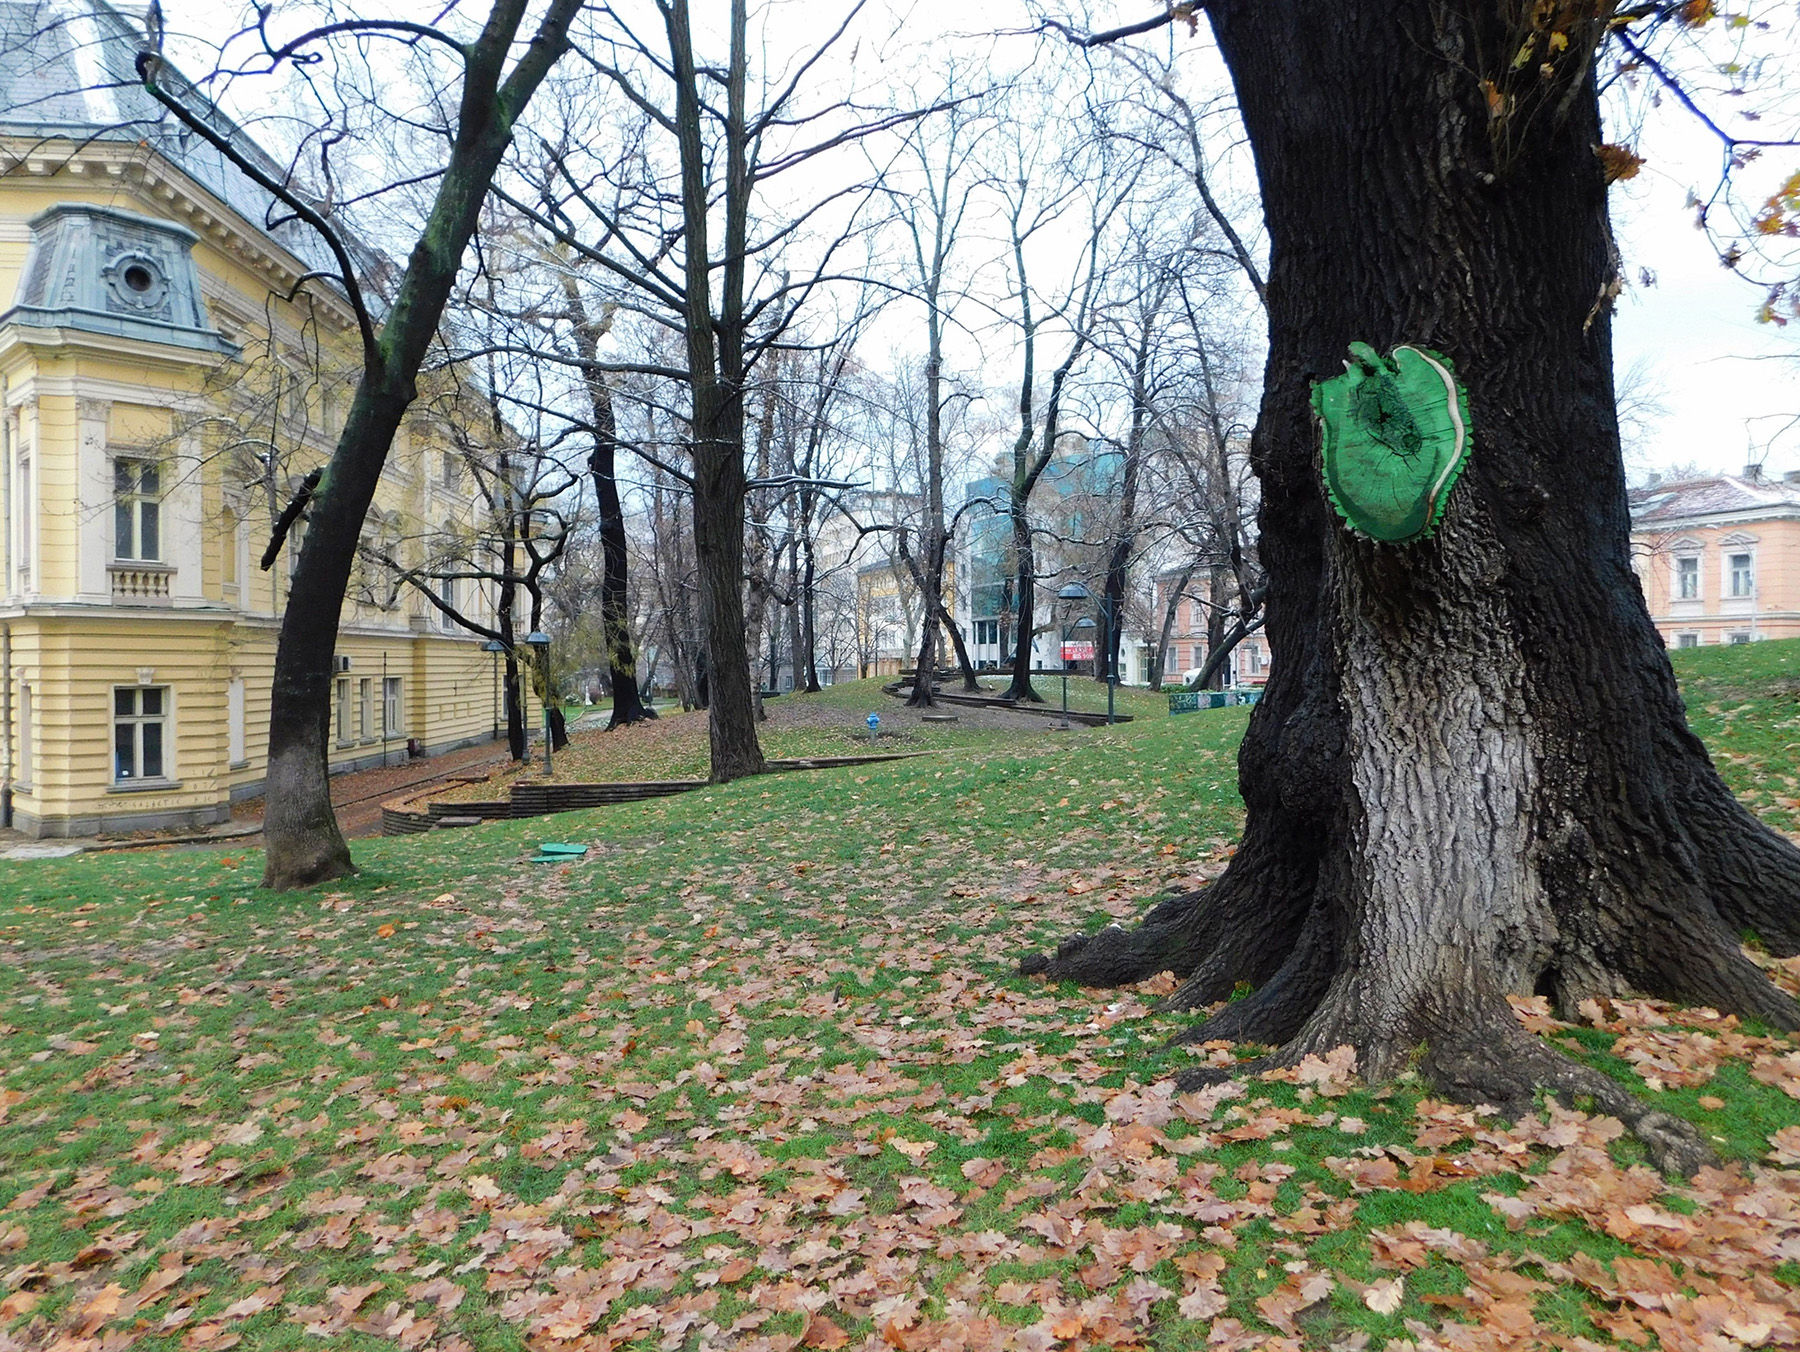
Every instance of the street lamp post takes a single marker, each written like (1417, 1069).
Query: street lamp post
(496, 647)
(1109, 613)
(1070, 594)
(538, 639)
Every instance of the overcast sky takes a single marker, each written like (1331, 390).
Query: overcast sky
(1695, 330)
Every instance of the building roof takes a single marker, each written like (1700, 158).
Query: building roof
(68, 76)
(1722, 495)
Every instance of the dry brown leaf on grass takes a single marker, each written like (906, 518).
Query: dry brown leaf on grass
(1385, 1295)
(1787, 1146)
(1331, 1074)
(1299, 1292)
(1783, 1072)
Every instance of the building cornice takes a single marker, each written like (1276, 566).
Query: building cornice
(1781, 511)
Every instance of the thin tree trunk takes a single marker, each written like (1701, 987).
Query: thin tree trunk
(716, 376)
(809, 621)
(1118, 558)
(1170, 611)
(615, 595)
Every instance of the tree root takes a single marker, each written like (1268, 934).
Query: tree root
(1240, 928)
(1115, 956)
(1501, 1067)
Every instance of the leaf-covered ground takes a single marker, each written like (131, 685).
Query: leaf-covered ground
(756, 1073)
(830, 723)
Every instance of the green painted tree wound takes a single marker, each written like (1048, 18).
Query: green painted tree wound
(1395, 435)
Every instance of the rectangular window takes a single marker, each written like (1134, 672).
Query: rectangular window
(343, 710)
(25, 513)
(140, 732)
(1253, 659)
(1169, 658)
(1687, 579)
(1738, 638)
(228, 559)
(137, 509)
(1743, 577)
(25, 736)
(234, 721)
(1687, 640)
(447, 591)
(452, 470)
(365, 708)
(390, 706)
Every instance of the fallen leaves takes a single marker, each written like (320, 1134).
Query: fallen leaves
(704, 1103)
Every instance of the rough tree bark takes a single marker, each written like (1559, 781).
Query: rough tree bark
(1471, 774)
(716, 375)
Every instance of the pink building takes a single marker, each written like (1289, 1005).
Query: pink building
(1249, 661)
(1719, 558)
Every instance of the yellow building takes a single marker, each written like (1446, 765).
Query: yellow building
(888, 615)
(159, 402)
(1719, 557)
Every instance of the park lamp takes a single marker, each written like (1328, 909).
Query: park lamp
(538, 639)
(496, 647)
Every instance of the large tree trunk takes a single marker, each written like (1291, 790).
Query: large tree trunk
(1470, 774)
(716, 372)
(304, 845)
(300, 829)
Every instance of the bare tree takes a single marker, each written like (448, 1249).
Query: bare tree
(709, 160)
(1036, 195)
(481, 87)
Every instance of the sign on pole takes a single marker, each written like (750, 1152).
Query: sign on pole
(1077, 652)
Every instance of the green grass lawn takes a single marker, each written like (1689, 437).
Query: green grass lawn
(757, 1073)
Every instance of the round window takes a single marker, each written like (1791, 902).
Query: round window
(136, 282)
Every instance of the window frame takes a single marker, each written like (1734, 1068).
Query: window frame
(1682, 576)
(1747, 573)
(341, 699)
(22, 775)
(1687, 639)
(133, 505)
(138, 720)
(24, 496)
(392, 702)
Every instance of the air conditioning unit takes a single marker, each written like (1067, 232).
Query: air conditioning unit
(340, 663)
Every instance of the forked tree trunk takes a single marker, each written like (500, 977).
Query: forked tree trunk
(1471, 774)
